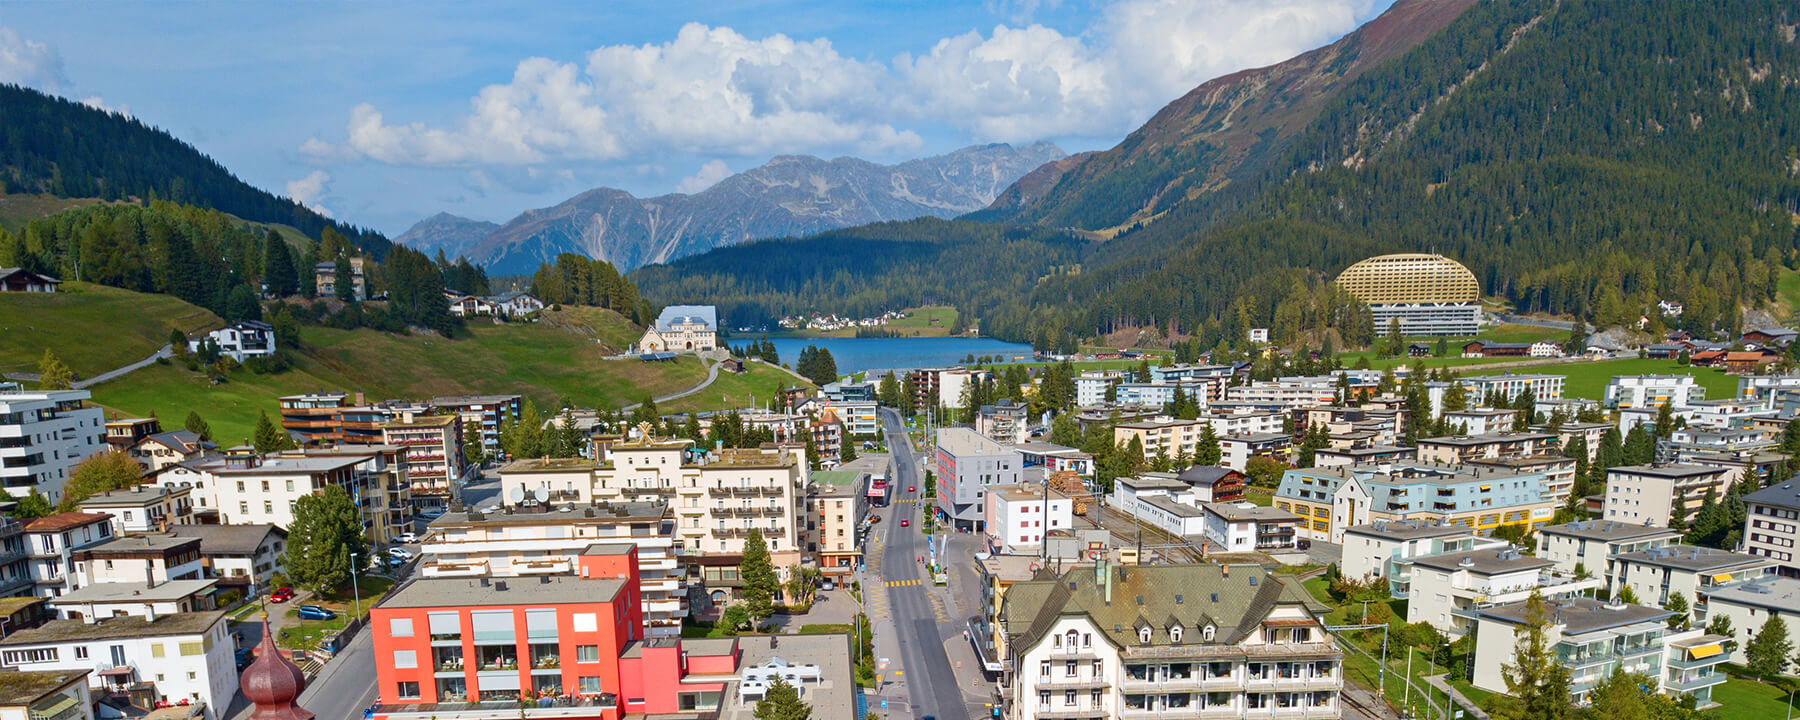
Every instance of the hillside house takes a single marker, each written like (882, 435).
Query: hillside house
(325, 279)
(517, 303)
(240, 340)
(467, 306)
(1489, 348)
(22, 280)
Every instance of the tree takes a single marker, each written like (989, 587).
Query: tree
(241, 304)
(803, 583)
(474, 450)
(846, 449)
(1620, 695)
(278, 266)
(782, 702)
(817, 365)
(888, 393)
(32, 506)
(735, 617)
(343, 283)
(1678, 604)
(1264, 472)
(1720, 624)
(1207, 452)
(98, 473)
(1456, 397)
(325, 533)
(53, 374)
(197, 425)
(1065, 431)
(1767, 653)
(268, 438)
(760, 582)
(1537, 685)
(178, 342)
(1626, 595)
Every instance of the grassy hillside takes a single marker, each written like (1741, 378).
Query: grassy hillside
(729, 391)
(93, 328)
(1588, 379)
(927, 321)
(564, 357)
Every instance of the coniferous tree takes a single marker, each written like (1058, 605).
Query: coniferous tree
(758, 575)
(782, 702)
(324, 536)
(268, 438)
(1767, 652)
(278, 270)
(197, 425)
(53, 374)
(1537, 684)
(1207, 452)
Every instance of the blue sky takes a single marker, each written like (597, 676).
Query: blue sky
(382, 113)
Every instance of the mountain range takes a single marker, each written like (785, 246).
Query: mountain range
(1583, 158)
(791, 195)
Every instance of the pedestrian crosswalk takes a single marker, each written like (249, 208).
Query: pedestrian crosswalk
(904, 583)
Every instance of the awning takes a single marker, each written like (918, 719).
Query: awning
(1704, 651)
(1722, 578)
(115, 671)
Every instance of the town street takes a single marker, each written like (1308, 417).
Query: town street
(922, 666)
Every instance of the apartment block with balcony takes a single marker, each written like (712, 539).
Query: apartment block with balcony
(1004, 422)
(1168, 641)
(43, 434)
(15, 558)
(1630, 392)
(1591, 545)
(434, 457)
(51, 542)
(837, 503)
(1772, 526)
(1592, 638)
(1383, 549)
(1247, 527)
(1659, 573)
(143, 508)
(528, 542)
(1336, 498)
(1748, 606)
(1449, 589)
(1464, 448)
(183, 658)
(486, 413)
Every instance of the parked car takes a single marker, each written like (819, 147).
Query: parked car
(827, 584)
(395, 561)
(431, 514)
(1304, 544)
(314, 612)
(244, 657)
(399, 552)
(409, 537)
(281, 594)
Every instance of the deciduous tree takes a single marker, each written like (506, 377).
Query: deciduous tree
(1767, 653)
(53, 374)
(98, 473)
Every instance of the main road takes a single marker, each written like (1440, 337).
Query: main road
(929, 676)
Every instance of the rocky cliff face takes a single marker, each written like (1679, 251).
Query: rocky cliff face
(790, 195)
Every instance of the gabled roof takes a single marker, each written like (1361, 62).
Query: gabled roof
(183, 441)
(6, 272)
(704, 314)
(65, 521)
(1235, 599)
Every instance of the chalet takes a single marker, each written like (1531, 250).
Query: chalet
(1418, 350)
(517, 303)
(325, 279)
(21, 280)
(1749, 361)
(1665, 351)
(467, 306)
(161, 450)
(1545, 349)
(1670, 308)
(1489, 348)
(240, 340)
(1771, 336)
(732, 365)
(1707, 358)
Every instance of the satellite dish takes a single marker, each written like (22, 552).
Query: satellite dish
(517, 495)
(540, 494)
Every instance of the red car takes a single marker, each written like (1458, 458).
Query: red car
(281, 594)
(911, 488)
(904, 522)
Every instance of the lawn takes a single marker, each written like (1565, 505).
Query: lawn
(547, 362)
(1744, 699)
(754, 388)
(1588, 379)
(93, 328)
(1259, 496)
(306, 634)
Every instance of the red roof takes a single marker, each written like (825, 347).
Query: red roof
(1748, 356)
(1707, 355)
(65, 521)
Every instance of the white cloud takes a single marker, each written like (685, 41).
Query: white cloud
(710, 174)
(97, 103)
(713, 91)
(30, 63)
(310, 190)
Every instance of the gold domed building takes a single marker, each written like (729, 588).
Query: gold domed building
(1429, 294)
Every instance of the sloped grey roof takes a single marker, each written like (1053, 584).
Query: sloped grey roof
(1190, 595)
(672, 314)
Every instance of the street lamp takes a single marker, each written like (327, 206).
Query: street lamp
(355, 591)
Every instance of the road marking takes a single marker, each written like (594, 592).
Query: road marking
(904, 583)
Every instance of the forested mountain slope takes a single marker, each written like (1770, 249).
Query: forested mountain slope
(1581, 157)
(53, 145)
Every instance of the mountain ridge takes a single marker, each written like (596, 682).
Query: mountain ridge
(790, 195)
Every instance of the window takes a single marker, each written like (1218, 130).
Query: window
(265, 486)
(268, 507)
(586, 622)
(587, 653)
(1099, 668)
(1044, 670)
(591, 685)
(243, 507)
(1068, 697)
(1069, 668)
(406, 690)
(156, 649)
(290, 485)
(400, 627)
(80, 652)
(1087, 639)
(193, 648)
(406, 658)
(15, 657)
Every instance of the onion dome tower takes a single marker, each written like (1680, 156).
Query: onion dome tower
(273, 682)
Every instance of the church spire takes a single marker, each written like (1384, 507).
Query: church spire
(273, 683)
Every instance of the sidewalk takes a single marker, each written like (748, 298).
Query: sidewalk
(1475, 711)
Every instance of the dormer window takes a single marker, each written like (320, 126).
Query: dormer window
(1144, 635)
(1175, 633)
(1207, 633)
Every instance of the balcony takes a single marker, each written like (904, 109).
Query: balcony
(1695, 682)
(1055, 712)
(1073, 683)
(562, 706)
(559, 566)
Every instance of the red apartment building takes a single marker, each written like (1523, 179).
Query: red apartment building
(574, 647)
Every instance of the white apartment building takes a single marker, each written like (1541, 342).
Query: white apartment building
(143, 509)
(251, 489)
(1380, 549)
(170, 658)
(967, 465)
(43, 434)
(51, 542)
(1647, 494)
(859, 417)
(1591, 544)
(240, 341)
(1448, 589)
(243, 556)
(47, 695)
(1247, 527)
(1020, 516)
(717, 498)
(1167, 641)
(1235, 451)
(1593, 638)
(522, 541)
(1772, 526)
(1480, 421)
(1728, 413)
(1630, 392)
(1659, 573)
(434, 456)
(1091, 386)
(1750, 605)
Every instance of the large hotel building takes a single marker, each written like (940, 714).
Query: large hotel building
(1428, 294)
